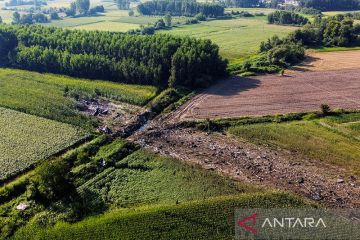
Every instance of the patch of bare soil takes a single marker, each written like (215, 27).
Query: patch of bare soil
(325, 78)
(114, 116)
(330, 61)
(258, 165)
(273, 94)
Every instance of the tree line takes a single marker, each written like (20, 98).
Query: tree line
(331, 5)
(159, 60)
(29, 18)
(276, 54)
(244, 3)
(287, 18)
(180, 8)
(330, 32)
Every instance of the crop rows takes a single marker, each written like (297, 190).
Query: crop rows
(26, 139)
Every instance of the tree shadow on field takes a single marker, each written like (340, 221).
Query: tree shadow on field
(233, 86)
(306, 65)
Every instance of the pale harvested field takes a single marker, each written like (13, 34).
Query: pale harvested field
(330, 61)
(331, 78)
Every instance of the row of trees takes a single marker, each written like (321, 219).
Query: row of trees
(158, 60)
(276, 53)
(285, 17)
(331, 5)
(324, 5)
(82, 8)
(29, 18)
(179, 8)
(24, 2)
(244, 3)
(8, 41)
(334, 31)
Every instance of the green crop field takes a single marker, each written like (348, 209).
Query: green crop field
(43, 94)
(136, 187)
(112, 20)
(146, 178)
(237, 38)
(332, 139)
(206, 219)
(26, 139)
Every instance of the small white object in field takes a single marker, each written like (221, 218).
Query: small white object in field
(22, 206)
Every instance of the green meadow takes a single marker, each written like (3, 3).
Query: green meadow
(237, 38)
(333, 139)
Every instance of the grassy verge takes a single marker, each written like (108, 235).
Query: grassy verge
(208, 219)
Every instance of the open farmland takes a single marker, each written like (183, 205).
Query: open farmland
(26, 139)
(113, 20)
(303, 89)
(330, 61)
(43, 94)
(237, 38)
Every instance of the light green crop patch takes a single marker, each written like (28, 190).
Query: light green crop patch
(26, 139)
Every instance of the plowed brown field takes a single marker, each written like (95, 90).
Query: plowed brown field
(331, 78)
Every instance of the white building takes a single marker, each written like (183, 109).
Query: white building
(292, 3)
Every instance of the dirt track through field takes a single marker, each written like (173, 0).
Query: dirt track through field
(252, 164)
(330, 78)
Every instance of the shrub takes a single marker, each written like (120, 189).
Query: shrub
(200, 17)
(289, 18)
(51, 181)
(286, 54)
(325, 109)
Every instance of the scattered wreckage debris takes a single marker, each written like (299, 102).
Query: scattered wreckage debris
(259, 165)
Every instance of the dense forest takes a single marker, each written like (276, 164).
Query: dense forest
(244, 3)
(180, 8)
(289, 18)
(7, 41)
(324, 5)
(157, 60)
(331, 5)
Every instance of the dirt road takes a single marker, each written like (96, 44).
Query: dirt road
(327, 78)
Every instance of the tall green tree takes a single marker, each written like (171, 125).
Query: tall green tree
(123, 4)
(83, 6)
(168, 19)
(71, 11)
(149, 60)
(16, 18)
